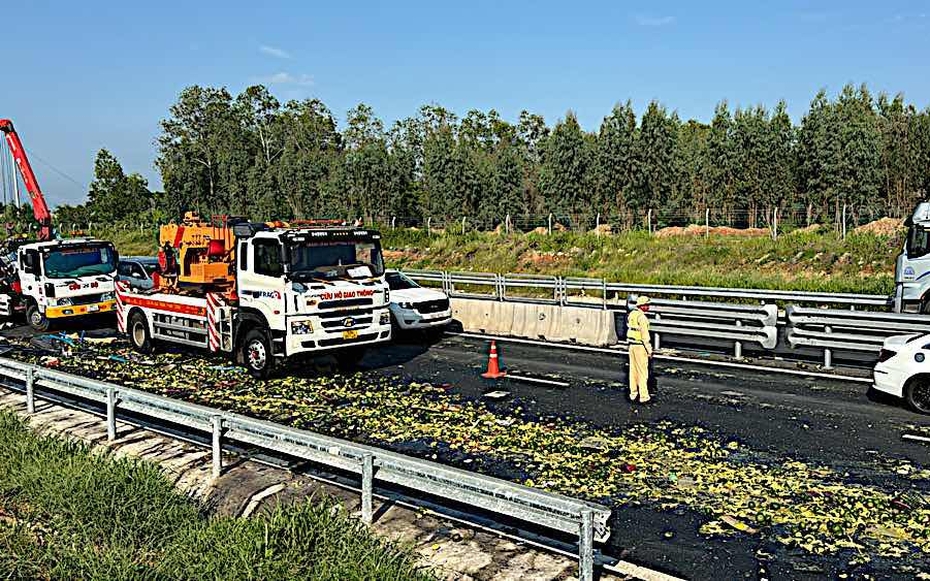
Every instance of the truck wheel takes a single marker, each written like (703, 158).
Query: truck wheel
(138, 330)
(36, 318)
(917, 394)
(348, 359)
(257, 354)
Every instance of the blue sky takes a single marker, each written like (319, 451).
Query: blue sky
(79, 76)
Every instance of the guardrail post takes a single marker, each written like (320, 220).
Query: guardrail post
(30, 390)
(604, 292)
(368, 474)
(658, 341)
(217, 422)
(738, 347)
(586, 547)
(828, 353)
(111, 414)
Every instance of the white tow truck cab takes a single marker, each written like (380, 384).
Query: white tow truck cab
(59, 279)
(912, 268)
(297, 291)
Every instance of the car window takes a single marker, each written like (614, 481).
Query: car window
(136, 272)
(397, 281)
(124, 268)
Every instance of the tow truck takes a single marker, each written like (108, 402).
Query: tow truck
(262, 293)
(51, 279)
(912, 267)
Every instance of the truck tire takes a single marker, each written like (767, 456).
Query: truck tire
(257, 354)
(917, 394)
(138, 331)
(349, 358)
(36, 318)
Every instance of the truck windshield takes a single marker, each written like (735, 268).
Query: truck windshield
(918, 241)
(329, 260)
(80, 261)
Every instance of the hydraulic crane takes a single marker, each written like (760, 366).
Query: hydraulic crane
(39, 206)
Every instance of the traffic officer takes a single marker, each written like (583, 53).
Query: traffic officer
(640, 346)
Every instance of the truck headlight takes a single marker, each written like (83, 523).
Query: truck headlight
(386, 318)
(110, 296)
(387, 296)
(301, 327)
(64, 302)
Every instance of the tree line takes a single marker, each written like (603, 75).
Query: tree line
(254, 156)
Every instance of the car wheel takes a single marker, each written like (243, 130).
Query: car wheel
(917, 394)
(138, 331)
(257, 354)
(36, 318)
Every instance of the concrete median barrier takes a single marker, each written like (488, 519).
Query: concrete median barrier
(585, 326)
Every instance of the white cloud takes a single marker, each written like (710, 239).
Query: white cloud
(274, 51)
(649, 20)
(284, 78)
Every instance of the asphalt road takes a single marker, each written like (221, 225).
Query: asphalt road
(825, 422)
(820, 421)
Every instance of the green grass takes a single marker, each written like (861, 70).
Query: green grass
(863, 263)
(67, 512)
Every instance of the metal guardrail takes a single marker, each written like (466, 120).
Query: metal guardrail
(561, 287)
(739, 323)
(835, 329)
(553, 511)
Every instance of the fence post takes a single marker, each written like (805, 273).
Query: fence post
(586, 547)
(30, 390)
(828, 353)
(597, 225)
(775, 224)
(368, 473)
(738, 347)
(707, 223)
(507, 224)
(111, 414)
(550, 224)
(217, 422)
(429, 226)
(844, 221)
(649, 220)
(463, 225)
(393, 218)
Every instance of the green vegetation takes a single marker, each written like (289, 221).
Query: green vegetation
(853, 156)
(67, 512)
(811, 261)
(669, 466)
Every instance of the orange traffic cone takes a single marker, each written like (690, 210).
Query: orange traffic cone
(494, 370)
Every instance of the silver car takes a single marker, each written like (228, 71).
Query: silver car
(137, 271)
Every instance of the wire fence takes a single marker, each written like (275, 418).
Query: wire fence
(773, 222)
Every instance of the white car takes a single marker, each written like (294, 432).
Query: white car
(903, 370)
(415, 307)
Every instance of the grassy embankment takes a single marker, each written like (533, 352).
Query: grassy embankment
(67, 512)
(811, 261)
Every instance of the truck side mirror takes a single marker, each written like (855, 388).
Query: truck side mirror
(30, 262)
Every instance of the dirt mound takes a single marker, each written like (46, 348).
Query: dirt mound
(698, 230)
(881, 227)
(603, 230)
(540, 230)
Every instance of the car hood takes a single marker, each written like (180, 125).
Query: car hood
(416, 295)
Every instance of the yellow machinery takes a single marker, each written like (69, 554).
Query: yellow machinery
(197, 252)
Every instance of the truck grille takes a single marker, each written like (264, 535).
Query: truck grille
(345, 303)
(339, 323)
(428, 307)
(86, 299)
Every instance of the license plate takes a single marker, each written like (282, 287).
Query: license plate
(350, 334)
(93, 308)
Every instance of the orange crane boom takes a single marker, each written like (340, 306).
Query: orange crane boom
(39, 206)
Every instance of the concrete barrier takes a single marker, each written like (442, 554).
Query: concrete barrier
(595, 327)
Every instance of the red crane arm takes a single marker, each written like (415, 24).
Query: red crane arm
(39, 206)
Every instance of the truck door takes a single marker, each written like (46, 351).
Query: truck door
(30, 273)
(261, 279)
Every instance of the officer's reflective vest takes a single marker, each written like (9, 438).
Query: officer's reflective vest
(636, 321)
